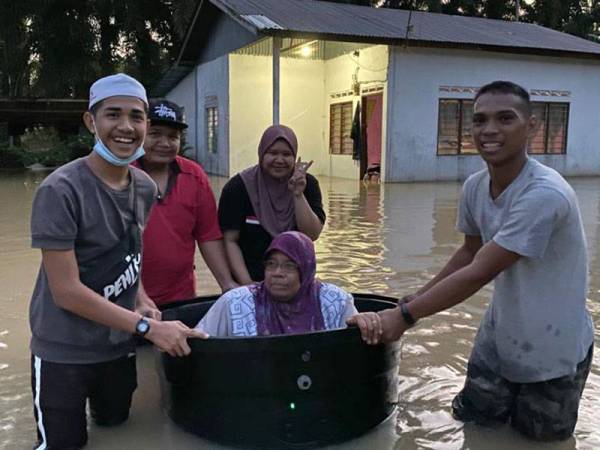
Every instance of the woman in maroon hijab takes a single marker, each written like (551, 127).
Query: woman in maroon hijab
(289, 301)
(274, 196)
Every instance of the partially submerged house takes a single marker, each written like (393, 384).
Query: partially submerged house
(412, 76)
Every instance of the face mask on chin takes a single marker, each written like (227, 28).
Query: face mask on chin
(104, 152)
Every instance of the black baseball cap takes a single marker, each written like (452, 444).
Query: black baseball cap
(164, 112)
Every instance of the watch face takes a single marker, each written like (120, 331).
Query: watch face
(143, 326)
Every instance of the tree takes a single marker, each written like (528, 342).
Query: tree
(578, 17)
(146, 39)
(57, 48)
(63, 43)
(15, 67)
(492, 9)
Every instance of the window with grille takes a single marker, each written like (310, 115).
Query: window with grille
(455, 118)
(340, 127)
(212, 129)
(454, 127)
(551, 135)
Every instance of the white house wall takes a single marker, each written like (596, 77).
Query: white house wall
(183, 95)
(372, 64)
(302, 91)
(415, 78)
(211, 82)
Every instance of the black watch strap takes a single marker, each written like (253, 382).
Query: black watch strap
(142, 327)
(406, 315)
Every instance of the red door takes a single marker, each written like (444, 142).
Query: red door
(372, 114)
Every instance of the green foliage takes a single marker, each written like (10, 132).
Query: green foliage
(79, 145)
(15, 51)
(10, 157)
(57, 48)
(578, 17)
(41, 145)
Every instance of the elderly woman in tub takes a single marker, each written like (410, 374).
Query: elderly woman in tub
(290, 300)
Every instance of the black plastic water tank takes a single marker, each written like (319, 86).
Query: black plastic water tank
(294, 391)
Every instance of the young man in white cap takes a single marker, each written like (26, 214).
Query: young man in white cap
(87, 219)
(185, 213)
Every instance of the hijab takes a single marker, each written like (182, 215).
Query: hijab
(303, 312)
(271, 199)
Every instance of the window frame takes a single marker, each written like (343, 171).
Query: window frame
(546, 135)
(459, 141)
(547, 105)
(211, 122)
(340, 105)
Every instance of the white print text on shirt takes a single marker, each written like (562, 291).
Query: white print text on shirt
(126, 279)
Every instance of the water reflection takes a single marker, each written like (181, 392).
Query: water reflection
(386, 239)
(351, 251)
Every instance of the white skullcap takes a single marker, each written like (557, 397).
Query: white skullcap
(119, 84)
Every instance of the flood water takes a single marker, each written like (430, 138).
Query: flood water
(388, 240)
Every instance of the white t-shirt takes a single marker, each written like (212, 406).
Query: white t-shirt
(537, 326)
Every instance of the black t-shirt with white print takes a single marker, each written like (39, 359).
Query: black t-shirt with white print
(236, 213)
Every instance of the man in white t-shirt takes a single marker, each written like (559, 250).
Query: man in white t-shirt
(522, 227)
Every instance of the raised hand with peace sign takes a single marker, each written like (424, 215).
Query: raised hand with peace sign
(297, 182)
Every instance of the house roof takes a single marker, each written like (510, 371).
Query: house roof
(282, 17)
(345, 22)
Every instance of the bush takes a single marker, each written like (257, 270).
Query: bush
(43, 146)
(80, 144)
(10, 157)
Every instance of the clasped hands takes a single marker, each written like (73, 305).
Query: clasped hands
(383, 326)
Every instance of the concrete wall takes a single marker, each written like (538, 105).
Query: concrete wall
(372, 66)
(306, 88)
(416, 75)
(251, 103)
(207, 81)
(183, 95)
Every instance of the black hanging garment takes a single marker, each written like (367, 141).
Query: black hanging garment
(356, 134)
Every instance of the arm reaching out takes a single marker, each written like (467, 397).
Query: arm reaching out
(72, 295)
(443, 292)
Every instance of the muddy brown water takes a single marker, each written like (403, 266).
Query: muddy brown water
(388, 240)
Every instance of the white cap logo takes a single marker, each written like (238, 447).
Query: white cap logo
(164, 111)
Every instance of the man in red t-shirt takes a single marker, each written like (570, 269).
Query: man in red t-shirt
(185, 213)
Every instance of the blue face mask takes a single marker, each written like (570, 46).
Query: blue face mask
(111, 158)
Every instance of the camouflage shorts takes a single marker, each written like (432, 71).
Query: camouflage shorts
(546, 410)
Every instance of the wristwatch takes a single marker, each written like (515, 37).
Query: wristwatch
(406, 315)
(142, 327)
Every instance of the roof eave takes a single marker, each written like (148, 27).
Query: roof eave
(235, 16)
(412, 42)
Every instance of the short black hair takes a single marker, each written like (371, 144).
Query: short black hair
(506, 87)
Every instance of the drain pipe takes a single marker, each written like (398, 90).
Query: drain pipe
(276, 78)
